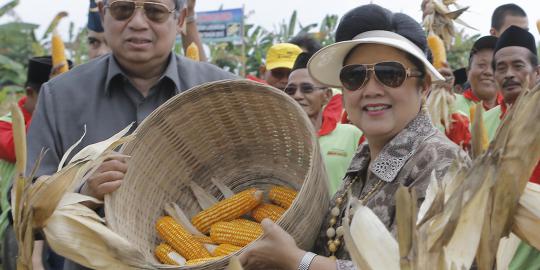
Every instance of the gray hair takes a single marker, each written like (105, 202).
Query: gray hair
(178, 4)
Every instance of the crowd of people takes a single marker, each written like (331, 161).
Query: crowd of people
(365, 96)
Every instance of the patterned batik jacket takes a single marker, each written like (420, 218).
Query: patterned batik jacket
(408, 159)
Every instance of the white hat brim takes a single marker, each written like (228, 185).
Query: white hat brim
(325, 65)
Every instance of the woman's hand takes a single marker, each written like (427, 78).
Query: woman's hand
(276, 250)
(448, 84)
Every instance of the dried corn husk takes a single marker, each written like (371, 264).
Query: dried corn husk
(507, 250)
(204, 199)
(440, 103)
(370, 244)
(527, 218)
(439, 19)
(234, 264)
(225, 190)
(516, 149)
(97, 247)
(406, 225)
(173, 210)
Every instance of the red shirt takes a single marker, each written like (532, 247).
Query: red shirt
(468, 94)
(7, 147)
(331, 115)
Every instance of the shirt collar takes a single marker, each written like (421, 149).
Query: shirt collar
(397, 152)
(114, 70)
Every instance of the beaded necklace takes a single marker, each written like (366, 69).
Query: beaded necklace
(335, 235)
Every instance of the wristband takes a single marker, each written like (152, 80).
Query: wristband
(306, 261)
(191, 18)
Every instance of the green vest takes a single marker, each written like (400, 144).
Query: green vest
(337, 150)
(7, 170)
(492, 121)
(463, 105)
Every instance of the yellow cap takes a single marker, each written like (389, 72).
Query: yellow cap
(282, 55)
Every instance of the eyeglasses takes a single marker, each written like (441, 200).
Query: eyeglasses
(391, 74)
(123, 9)
(305, 88)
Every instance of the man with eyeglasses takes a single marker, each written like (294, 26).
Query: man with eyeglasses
(279, 62)
(113, 91)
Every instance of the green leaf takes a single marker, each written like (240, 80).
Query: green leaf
(8, 7)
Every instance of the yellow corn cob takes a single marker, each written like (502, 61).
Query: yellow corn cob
(192, 52)
(203, 260)
(538, 25)
(166, 254)
(282, 196)
(58, 53)
(180, 239)
(203, 239)
(225, 249)
(267, 210)
(227, 209)
(235, 233)
(483, 132)
(437, 49)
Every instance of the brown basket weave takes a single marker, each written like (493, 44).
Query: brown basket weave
(241, 132)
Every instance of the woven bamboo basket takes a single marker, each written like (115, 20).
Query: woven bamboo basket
(241, 132)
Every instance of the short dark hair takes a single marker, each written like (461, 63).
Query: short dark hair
(374, 17)
(500, 13)
(306, 41)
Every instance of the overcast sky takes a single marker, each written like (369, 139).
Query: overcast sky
(269, 13)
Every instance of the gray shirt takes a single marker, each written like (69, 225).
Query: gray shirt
(99, 95)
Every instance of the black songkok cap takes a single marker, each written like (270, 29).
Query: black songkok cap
(94, 21)
(516, 36)
(460, 75)
(301, 61)
(485, 42)
(39, 69)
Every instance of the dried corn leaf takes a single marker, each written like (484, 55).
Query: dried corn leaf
(205, 199)
(433, 201)
(461, 249)
(173, 210)
(97, 246)
(517, 147)
(70, 149)
(94, 150)
(225, 190)
(507, 250)
(405, 224)
(527, 218)
(370, 244)
(19, 139)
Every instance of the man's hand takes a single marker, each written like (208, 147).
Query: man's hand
(56, 70)
(447, 73)
(107, 178)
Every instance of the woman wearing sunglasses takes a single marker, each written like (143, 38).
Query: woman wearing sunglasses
(379, 60)
(338, 142)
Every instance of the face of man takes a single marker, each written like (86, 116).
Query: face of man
(510, 20)
(97, 46)
(277, 77)
(139, 39)
(513, 71)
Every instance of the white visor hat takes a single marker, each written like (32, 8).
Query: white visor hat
(325, 65)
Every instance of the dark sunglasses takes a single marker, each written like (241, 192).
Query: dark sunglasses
(123, 9)
(280, 73)
(391, 74)
(305, 88)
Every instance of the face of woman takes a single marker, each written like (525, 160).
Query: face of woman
(311, 95)
(381, 112)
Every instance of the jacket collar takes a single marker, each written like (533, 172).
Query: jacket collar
(397, 152)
